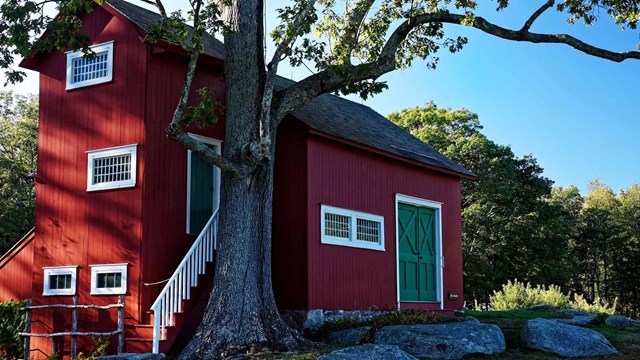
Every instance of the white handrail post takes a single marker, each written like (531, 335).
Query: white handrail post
(156, 331)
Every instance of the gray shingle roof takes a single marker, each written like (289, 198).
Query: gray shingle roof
(329, 113)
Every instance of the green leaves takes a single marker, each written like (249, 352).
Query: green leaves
(205, 112)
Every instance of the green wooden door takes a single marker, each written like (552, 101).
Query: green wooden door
(201, 193)
(417, 253)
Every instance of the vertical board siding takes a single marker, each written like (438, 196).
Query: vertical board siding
(347, 177)
(165, 240)
(73, 226)
(16, 271)
(290, 217)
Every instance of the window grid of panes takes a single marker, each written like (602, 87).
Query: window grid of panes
(111, 169)
(60, 281)
(109, 280)
(85, 69)
(368, 230)
(336, 225)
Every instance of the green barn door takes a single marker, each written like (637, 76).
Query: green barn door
(417, 253)
(201, 193)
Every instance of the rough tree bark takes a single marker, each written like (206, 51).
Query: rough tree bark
(242, 308)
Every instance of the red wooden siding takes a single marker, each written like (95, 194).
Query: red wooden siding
(350, 178)
(16, 270)
(165, 240)
(290, 217)
(73, 226)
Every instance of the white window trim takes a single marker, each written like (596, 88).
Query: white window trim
(107, 152)
(352, 241)
(71, 55)
(59, 270)
(437, 206)
(108, 268)
(217, 147)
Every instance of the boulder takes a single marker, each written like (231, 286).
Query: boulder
(127, 356)
(349, 337)
(368, 352)
(444, 341)
(618, 321)
(578, 317)
(470, 319)
(564, 339)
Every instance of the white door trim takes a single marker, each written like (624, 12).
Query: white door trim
(437, 206)
(217, 146)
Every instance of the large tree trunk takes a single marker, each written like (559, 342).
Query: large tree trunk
(242, 310)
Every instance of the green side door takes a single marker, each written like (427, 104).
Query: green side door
(201, 193)
(417, 253)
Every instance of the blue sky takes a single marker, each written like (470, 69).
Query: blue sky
(577, 114)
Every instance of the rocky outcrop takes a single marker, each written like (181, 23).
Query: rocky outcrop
(368, 352)
(349, 337)
(578, 317)
(564, 340)
(444, 341)
(133, 357)
(618, 321)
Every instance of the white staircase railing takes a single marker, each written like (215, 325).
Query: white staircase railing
(178, 288)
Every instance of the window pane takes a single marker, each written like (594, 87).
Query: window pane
(109, 280)
(88, 69)
(59, 282)
(368, 230)
(336, 225)
(111, 169)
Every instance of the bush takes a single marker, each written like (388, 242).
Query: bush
(11, 345)
(516, 295)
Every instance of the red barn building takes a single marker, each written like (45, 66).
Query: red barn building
(366, 217)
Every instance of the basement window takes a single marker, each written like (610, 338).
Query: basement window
(90, 70)
(351, 228)
(60, 280)
(111, 168)
(109, 279)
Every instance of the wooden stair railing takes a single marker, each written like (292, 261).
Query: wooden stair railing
(178, 287)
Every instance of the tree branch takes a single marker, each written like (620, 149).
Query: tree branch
(349, 35)
(336, 77)
(535, 15)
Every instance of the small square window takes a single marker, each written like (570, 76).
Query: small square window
(351, 228)
(86, 71)
(111, 168)
(109, 279)
(60, 280)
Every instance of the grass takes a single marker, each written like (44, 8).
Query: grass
(514, 314)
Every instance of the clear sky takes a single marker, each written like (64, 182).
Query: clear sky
(577, 114)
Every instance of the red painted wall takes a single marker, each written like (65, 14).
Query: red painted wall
(73, 226)
(165, 240)
(16, 269)
(289, 261)
(343, 176)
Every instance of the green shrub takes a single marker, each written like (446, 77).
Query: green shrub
(12, 323)
(516, 295)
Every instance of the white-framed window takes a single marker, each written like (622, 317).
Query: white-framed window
(85, 71)
(108, 279)
(59, 280)
(351, 228)
(111, 168)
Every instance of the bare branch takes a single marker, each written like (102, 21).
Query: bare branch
(335, 78)
(535, 15)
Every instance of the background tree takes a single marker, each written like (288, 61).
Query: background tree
(358, 41)
(18, 155)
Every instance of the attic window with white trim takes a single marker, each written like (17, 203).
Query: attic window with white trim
(90, 70)
(60, 280)
(112, 168)
(108, 279)
(351, 228)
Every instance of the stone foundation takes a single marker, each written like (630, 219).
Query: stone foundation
(313, 319)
